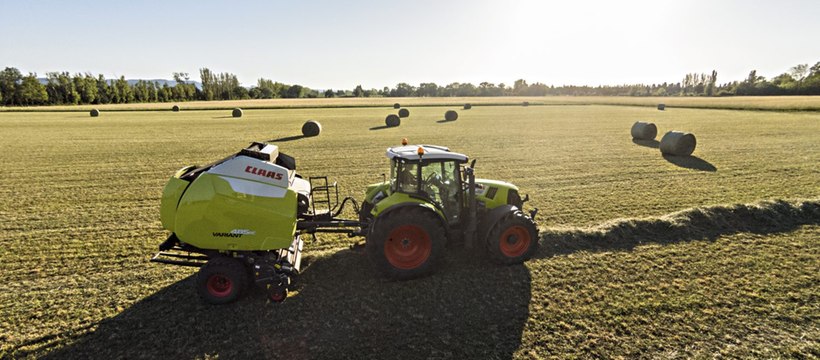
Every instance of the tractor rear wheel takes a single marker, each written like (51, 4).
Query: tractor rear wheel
(406, 243)
(222, 280)
(513, 239)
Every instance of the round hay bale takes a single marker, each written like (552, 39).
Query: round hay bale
(311, 128)
(644, 130)
(175, 108)
(392, 120)
(450, 115)
(237, 113)
(467, 106)
(403, 113)
(396, 106)
(678, 143)
(661, 107)
(525, 103)
(95, 113)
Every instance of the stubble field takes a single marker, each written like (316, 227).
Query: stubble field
(620, 273)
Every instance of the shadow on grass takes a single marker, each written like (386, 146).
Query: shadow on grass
(287, 138)
(223, 117)
(648, 143)
(697, 224)
(341, 309)
(690, 162)
(444, 121)
(380, 127)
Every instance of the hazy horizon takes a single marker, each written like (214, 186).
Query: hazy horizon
(375, 44)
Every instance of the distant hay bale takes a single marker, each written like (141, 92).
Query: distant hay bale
(396, 106)
(403, 113)
(450, 115)
(525, 103)
(95, 113)
(392, 120)
(678, 143)
(175, 108)
(661, 107)
(644, 130)
(467, 106)
(237, 113)
(311, 128)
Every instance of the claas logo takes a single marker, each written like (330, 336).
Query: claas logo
(264, 173)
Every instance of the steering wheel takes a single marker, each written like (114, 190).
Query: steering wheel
(433, 176)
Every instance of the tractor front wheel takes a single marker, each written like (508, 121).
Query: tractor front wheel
(513, 239)
(222, 280)
(406, 243)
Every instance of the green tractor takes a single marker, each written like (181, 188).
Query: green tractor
(432, 198)
(241, 219)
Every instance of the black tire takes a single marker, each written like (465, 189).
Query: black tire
(415, 255)
(222, 280)
(513, 239)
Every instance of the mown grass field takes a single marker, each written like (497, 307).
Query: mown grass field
(80, 220)
(768, 103)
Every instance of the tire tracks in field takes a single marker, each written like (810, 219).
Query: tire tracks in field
(699, 223)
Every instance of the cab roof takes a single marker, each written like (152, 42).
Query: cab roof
(433, 152)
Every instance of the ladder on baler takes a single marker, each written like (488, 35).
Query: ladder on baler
(320, 194)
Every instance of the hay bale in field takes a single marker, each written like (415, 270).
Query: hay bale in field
(525, 103)
(644, 130)
(661, 107)
(392, 120)
(175, 108)
(450, 115)
(678, 143)
(396, 106)
(95, 113)
(237, 113)
(467, 106)
(311, 128)
(403, 113)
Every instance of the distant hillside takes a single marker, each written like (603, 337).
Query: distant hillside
(159, 82)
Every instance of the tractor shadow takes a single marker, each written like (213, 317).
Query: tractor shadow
(648, 143)
(696, 224)
(690, 162)
(341, 308)
(287, 138)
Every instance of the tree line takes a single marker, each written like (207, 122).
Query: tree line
(63, 88)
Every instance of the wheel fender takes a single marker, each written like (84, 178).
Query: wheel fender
(427, 207)
(492, 217)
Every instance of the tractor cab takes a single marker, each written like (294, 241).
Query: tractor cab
(431, 173)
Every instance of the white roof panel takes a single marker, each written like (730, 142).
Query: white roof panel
(410, 152)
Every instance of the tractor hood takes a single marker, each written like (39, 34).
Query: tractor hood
(496, 183)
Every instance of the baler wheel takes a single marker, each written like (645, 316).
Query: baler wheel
(513, 239)
(406, 243)
(222, 280)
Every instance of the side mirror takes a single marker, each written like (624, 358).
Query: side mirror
(472, 164)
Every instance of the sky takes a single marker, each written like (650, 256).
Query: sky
(341, 44)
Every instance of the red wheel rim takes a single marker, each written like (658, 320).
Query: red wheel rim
(279, 296)
(515, 241)
(219, 285)
(407, 247)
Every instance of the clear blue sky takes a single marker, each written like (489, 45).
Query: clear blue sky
(339, 44)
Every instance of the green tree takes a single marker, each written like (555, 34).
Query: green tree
(329, 93)
(799, 72)
(10, 78)
(358, 91)
(32, 92)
